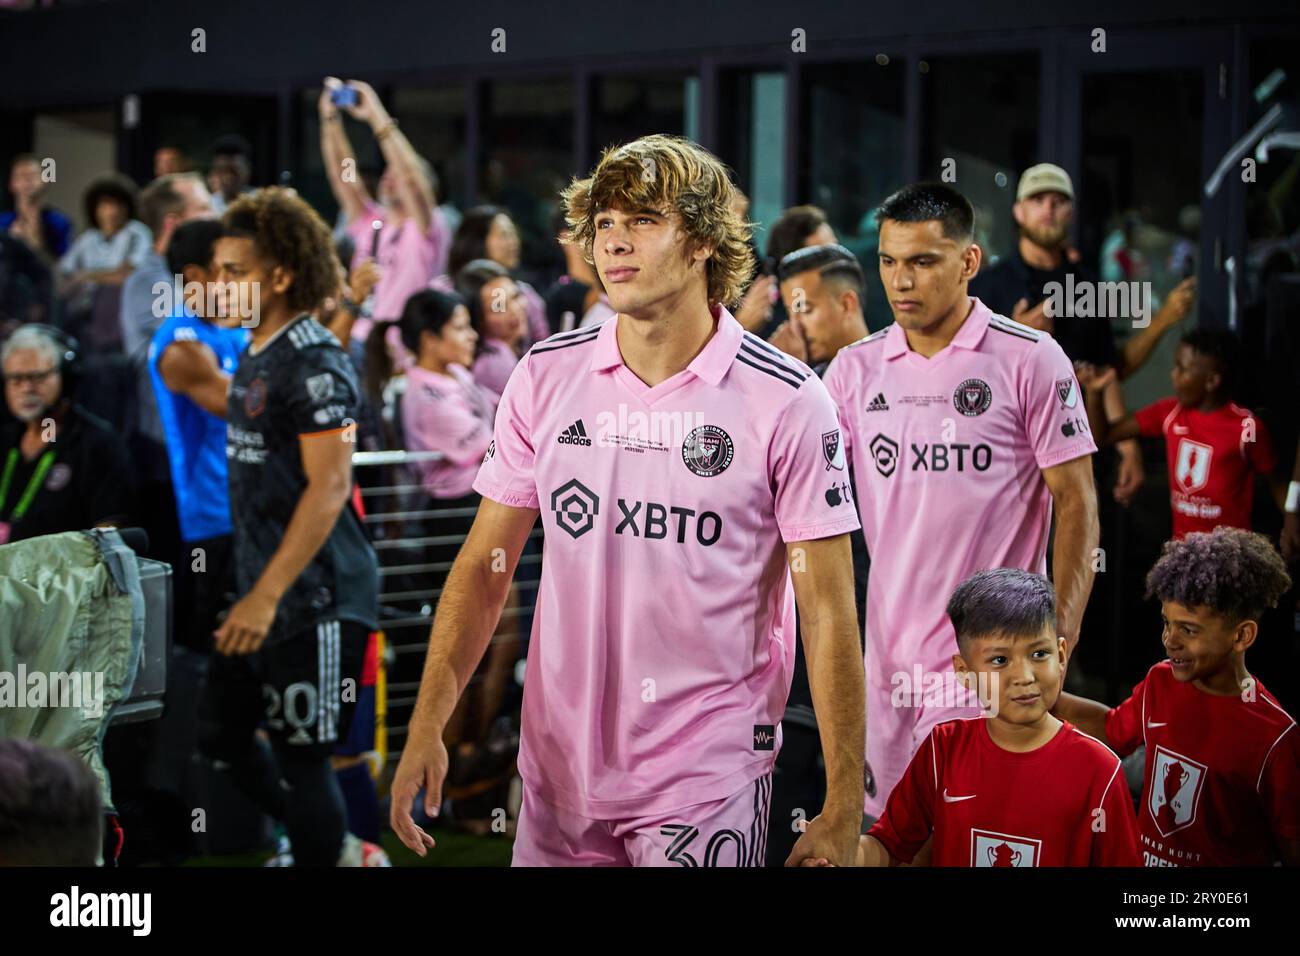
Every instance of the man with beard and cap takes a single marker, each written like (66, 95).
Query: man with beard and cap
(1017, 286)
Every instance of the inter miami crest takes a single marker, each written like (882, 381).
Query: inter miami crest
(707, 451)
(972, 397)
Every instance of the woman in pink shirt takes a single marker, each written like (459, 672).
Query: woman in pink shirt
(446, 411)
(488, 232)
(498, 312)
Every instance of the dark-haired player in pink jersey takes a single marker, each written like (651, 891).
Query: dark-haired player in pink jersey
(1017, 787)
(1222, 781)
(966, 430)
(692, 484)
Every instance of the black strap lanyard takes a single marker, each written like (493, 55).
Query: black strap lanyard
(25, 501)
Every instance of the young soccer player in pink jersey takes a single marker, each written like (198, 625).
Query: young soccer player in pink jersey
(1222, 779)
(966, 430)
(691, 481)
(1017, 787)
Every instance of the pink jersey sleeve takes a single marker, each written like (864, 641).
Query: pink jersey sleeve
(506, 475)
(809, 468)
(1050, 400)
(439, 420)
(908, 820)
(1280, 782)
(1124, 723)
(1115, 827)
(837, 388)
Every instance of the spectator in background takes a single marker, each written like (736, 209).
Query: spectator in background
(411, 244)
(168, 160)
(116, 242)
(49, 807)
(165, 204)
(231, 170)
(26, 286)
(45, 230)
(488, 232)
(577, 299)
(499, 315)
(1017, 287)
(445, 410)
(64, 469)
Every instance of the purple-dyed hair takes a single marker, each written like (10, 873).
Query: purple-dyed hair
(1233, 572)
(1002, 601)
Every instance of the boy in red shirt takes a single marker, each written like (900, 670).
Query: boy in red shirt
(1215, 448)
(1222, 780)
(1017, 787)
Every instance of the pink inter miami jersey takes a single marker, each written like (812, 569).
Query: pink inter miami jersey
(663, 641)
(1222, 773)
(947, 453)
(1064, 804)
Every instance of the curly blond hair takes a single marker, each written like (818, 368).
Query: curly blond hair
(669, 173)
(289, 233)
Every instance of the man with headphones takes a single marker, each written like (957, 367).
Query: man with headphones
(61, 468)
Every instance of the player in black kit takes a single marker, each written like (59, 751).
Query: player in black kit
(290, 649)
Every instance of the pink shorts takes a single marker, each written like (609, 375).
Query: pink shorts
(895, 734)
(727, 832)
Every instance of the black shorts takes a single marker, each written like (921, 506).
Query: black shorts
(303, 689)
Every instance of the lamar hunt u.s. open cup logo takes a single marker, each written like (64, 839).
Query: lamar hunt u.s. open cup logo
(1175, 790)
(988, 848)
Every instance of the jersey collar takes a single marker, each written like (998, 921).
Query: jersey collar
(968, 336)
(710, 365)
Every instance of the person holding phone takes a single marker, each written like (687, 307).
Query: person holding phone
(412, 238)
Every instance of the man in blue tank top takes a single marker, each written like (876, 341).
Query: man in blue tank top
(191, 360)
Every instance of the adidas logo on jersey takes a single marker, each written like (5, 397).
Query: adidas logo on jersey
(575, 434)
(878, 404)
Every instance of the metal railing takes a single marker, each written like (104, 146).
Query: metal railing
(396, 509)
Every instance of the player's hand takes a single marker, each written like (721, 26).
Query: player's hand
(363, 280)
(1130, 478)
(423, 764)
(1178, 303)
(246, 625)
(829, 839)
(1094, 379)
(756, 306)
(788, 337)
(1039, 317)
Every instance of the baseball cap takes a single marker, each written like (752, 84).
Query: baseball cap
(1044, 178)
